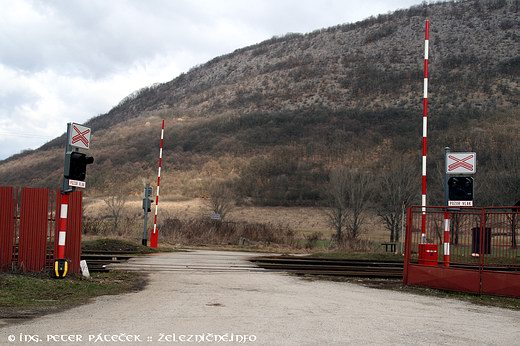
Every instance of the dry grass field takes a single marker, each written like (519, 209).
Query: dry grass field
(303, 220)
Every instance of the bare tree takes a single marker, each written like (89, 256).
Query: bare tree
(501, 183)
(359, 195)
(398, 185)
(348, 196)
(337, 196)
(221, 198)
(116, 205)
(506, 165)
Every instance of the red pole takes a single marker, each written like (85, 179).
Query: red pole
(446, 239)
(154, 237)
(62, 235)
(425, 133)
(60, 263)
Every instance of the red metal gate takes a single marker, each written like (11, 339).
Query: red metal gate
(7, 223)
(32, 244)
(482, 250)
(28, 229)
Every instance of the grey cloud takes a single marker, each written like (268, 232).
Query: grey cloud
(10, 100)
(93, 38)
(81, 57)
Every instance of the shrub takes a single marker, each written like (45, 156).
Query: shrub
(209, 232)
(312, 239)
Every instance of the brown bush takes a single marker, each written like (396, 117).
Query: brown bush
(312, 239)
(128, 227)
(209, 232)
(355, 245)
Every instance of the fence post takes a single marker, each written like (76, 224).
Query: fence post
(481, 250)
(514, 224)
(408, 244)
(483, 221)
(446, 256)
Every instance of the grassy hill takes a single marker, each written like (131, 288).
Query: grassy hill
(273, 119)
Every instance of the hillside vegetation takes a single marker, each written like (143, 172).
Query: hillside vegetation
(273, 119)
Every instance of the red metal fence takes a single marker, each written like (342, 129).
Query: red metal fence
(28, 229)
(7, 226)
(469, 249)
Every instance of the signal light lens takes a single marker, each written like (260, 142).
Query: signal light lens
(460, 188)
(76, 165)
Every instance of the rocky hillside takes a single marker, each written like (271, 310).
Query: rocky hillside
(273, 118)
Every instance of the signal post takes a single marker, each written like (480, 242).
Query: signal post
(74, 174)
(458, 189)
(458, 178)
(147, 207)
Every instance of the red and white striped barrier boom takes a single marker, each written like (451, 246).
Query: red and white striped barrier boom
(154, 237)
(425, 133)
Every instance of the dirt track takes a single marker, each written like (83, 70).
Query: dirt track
(214, 294)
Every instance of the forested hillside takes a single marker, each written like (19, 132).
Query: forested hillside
(272, 120)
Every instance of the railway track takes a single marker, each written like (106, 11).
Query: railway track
(332, 267)
(98, 260)
(350, 268)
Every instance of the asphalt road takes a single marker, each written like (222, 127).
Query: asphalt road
(206, 297)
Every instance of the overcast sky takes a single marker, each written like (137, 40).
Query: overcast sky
(70, 60)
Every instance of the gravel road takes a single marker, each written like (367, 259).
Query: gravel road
(211, 297)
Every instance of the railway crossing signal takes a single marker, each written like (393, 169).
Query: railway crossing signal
(461, 163)
(458, 182)
(460, 189)
(79, 136)
(147, 207)
(148, 199)
(74, 174)
(76, 165)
